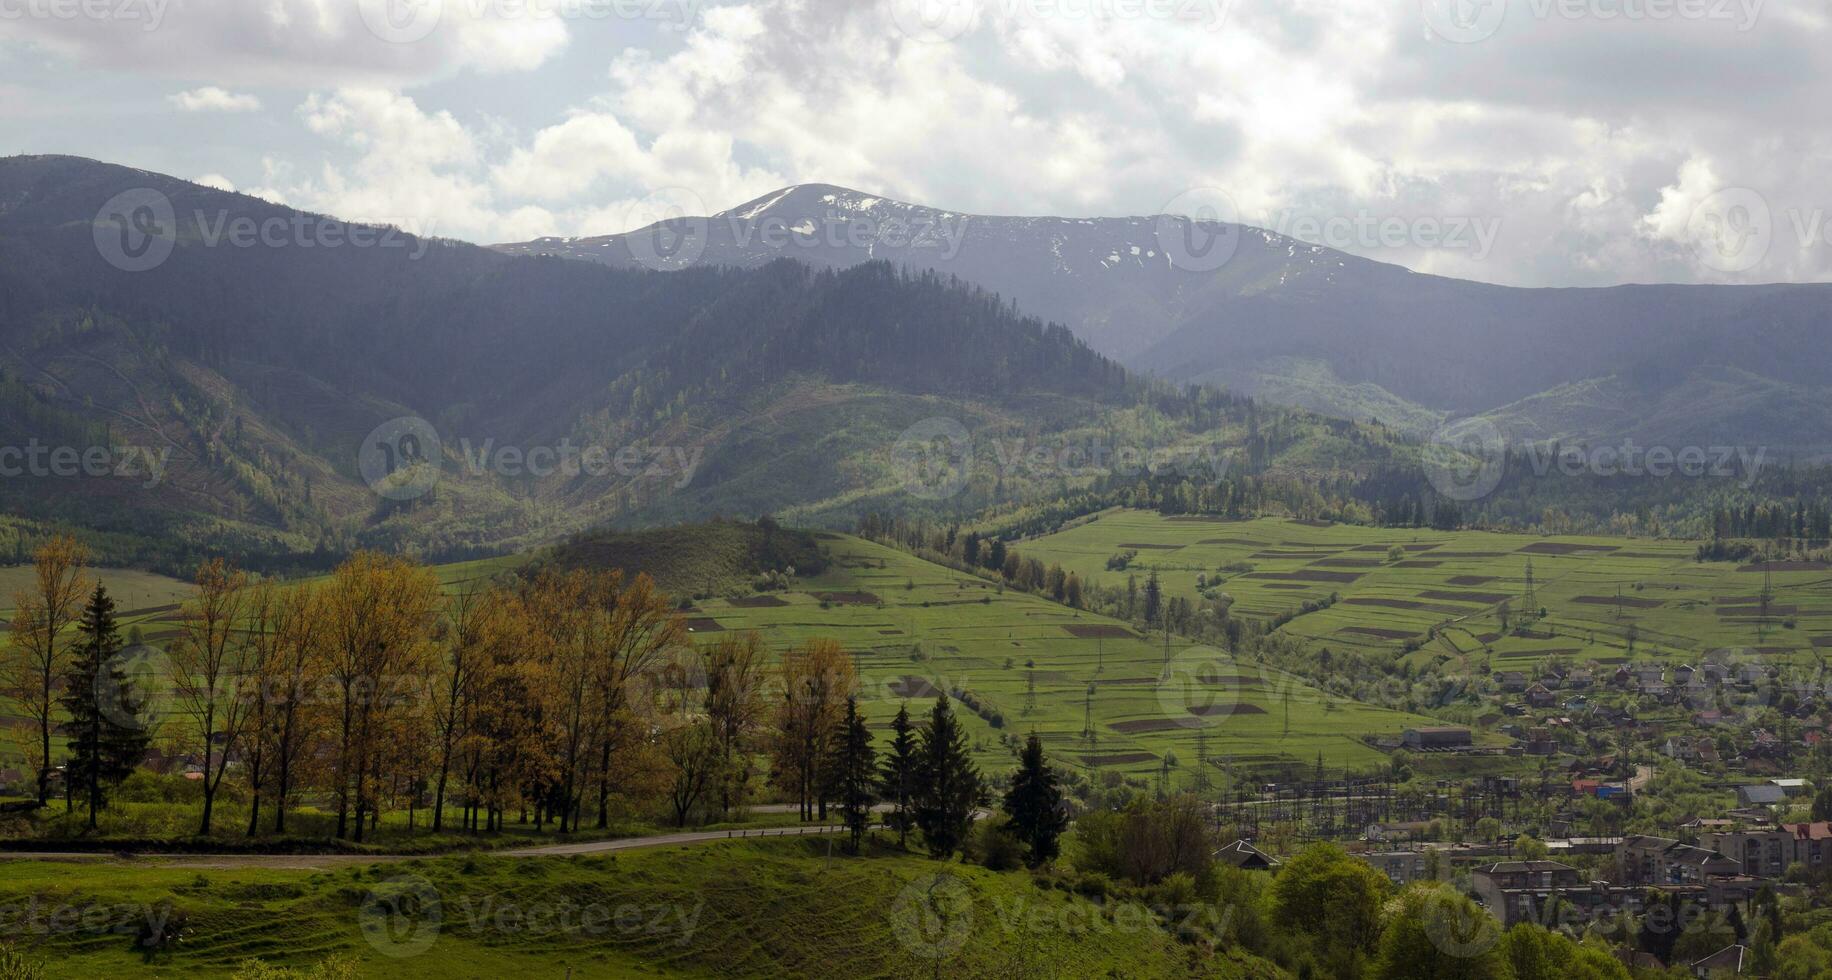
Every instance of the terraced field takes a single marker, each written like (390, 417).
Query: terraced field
(1596, 591)
(916, 627)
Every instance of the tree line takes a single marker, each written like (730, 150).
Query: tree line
(556, 697)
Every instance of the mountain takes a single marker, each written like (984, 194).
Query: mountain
(1311, 326)
(280, 386)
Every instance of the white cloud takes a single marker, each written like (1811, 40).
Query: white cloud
(217, 181)
(1589, 142)
(300, 43)
(213, 99)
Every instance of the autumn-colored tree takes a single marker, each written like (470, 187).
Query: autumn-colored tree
(207, 663)
(641, 630)
(507, 756)
(265, 636)
(379, 611)
(692, 749)
(472, 620)
(289, 677)
(40, 650)
(735, 673)
(564, 635)
(816, 679)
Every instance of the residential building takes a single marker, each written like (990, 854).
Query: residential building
(1727, 962)
(1437, 739)
(1767, 852)
(1663, 861)
(1242, 854)
(1764, 794)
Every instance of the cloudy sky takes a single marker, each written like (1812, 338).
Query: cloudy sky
(1600, 141)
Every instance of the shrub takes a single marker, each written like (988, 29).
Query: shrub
(993, 846)
(15, 965)
(1094, 884)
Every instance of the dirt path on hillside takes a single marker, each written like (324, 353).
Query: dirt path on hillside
(319, 862)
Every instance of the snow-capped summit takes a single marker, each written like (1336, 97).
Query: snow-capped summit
(1120, 283)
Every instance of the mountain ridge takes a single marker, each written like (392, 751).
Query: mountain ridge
(1432, 347)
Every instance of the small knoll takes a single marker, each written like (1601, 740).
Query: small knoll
(717, 558)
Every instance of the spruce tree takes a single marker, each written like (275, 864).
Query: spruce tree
(855, 778)
(106, 733)
(898, 777)
(1034, 804)
(948, 784)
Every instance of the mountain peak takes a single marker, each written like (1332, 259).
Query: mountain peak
(803, 200)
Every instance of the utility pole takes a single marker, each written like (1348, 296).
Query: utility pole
(1532, 596)
(1087, 713)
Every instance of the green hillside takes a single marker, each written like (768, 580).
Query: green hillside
(916, 628)
(1677, 608)
(738, 909)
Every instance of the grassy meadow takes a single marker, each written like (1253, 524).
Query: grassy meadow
(759, 908)
(1676, 608)
(915, 627)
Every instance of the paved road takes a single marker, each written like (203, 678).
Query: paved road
(315, 862)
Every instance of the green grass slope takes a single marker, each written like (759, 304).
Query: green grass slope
(1677, 608)
(729, 909)
(915, 628)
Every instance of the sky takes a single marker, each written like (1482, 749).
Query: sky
(1524, 142)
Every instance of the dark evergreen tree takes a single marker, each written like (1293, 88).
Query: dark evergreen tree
(106, 728)
(995, 558)
(948, 784)
(854, 770)
(1154, 596)
(898, 778)
(1034, 803)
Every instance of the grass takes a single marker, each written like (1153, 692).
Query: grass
(909, 623)
(731, 909)
(1679, 609)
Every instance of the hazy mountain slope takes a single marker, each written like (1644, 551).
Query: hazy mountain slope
(1111, 280)
(258, 372)
(1281, 318)
(1709, 407)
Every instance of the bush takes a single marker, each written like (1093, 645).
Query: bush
(1094, 884)
(145, 786)
(993, 846)
(1176, 891)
